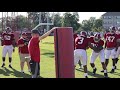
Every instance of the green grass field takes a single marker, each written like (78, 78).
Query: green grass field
(48, 64)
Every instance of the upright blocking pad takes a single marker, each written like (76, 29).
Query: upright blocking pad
(64, 52)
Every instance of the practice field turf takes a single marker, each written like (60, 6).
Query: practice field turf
(48, 64)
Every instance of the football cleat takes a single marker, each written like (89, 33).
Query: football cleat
(10, 66)
(105, 75)
(112, 71)
(3, 65)
(102, 70)
(94, 71)
(86, 76)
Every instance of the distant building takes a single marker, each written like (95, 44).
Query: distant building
(111, 19)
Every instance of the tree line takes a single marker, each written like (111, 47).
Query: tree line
(66, 20)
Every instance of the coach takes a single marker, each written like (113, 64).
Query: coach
(34, 51)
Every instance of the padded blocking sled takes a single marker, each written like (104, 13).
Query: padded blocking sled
(64, 52)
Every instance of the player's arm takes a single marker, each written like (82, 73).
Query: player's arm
(100, 48)
(101, 45)
(21, 45)
(118, 44)
(87, 43)
(105, 41)
(75, 42)
(13, 40)
(46, 34)
(13, 43)
(90, 45)
(105, 44)
(87, 47)
(2, 37)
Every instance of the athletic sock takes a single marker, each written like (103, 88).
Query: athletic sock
(94, 67)
(3, 58)
(10, 60)
(9, 63)
(105, 71)
(85, 74)
(22, 71)
(113, 67)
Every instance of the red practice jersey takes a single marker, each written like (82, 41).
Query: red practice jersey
(75, 36)
(110, 40)
(96, 44)
(34, 49)
(7, 38)
(24, 49)
(118, 36)
(81, 42)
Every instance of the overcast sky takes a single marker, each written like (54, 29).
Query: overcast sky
(82, 15)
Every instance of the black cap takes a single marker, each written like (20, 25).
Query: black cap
(35, 31)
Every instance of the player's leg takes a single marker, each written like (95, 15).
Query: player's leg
(27, 61)
(92, 60)
(22, 61)
(117, 57)
(76, 57)
(80, 64)
(107, 56)
(4, 52)
(38, 73)
(32, 67)
(22, 66)
(113, 56)
(83, 55)
(102, 58)
(10, 51)
(35, 75)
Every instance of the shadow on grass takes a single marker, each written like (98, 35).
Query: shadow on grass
(5, 73)
(19, 74)
(14, 72)
(49, 54)
(91, 74)
(115, 73)
(46, 50)
(47, 43)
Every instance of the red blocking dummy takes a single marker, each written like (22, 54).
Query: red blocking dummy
(64, 52)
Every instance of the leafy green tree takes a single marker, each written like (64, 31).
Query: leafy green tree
(70, 20)
(98, 23)
(57, 20)
(21, 22)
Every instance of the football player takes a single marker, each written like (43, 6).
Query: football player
(8, 43)
(118, 46)
(96, 43)
(81, 44)
(75, 36)
(23, 51)
(110, 40)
